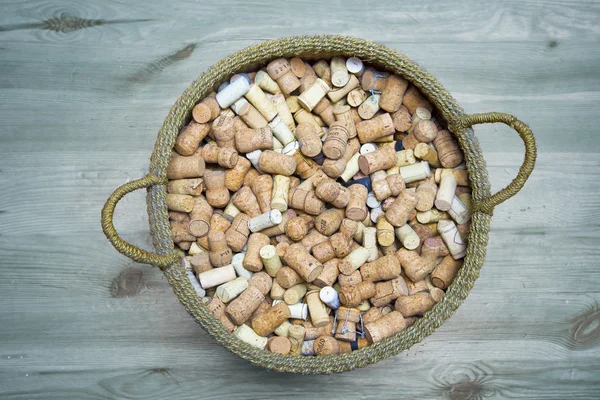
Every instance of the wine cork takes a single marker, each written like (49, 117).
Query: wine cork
(417, 304)
(330, 296)
(262, 281)
(356, 208)
(375, 128)
(247, 140)
(433, 248)
(443, 275)
(242, 307)
(324, 109)
(185, 246)
(328, 222)
(385, 232)
(283, 111)
(425, 131)
(234, 177)
(280, 71)
(297, 67)
(326, 345)
(384, 268)
(278, 164)
(339, 72)
(230, 290)
(281, 131)
(190, 137)
(223, 131)
(279, 195)
(461, 175)
(236, 235)
(452, 238)
(217, 194)
(349, 280)
(341, 244)
(266, 83)
(313, 332)
(353, 261)
(286, 277)
(178, 216)
(445, 194)
(408, 237)
(238, 264)
(431, 216)
(200, 215)
(226, 157)
(405, 157)
(270, 260)
(415, 172)
(305, 200)
(372, 80)
(220, 254)
(246, 334)
(374, 313)
(332, 192)
(419, 115)
(313, 95)
(409, 142)
(298, 258)
(312, 239)
(385, 327)
(279, 345)
(265, 220)
(200, 263)
(387, 292)
(294, 294)
(252, 259)
(192, 187)
(391, 96)
(261, 102)
(340, 93)
(181, 167)
(449, 153)
(413, 99)
(329, 274)
(305, 167)
(316, 309)
(344, 115)
(296, 337)
(266, 323)
(323, 251)
(352, 296)
(303, 116)
(459, 211)
(249, 115)
(232, 93)
(245, 200)
(298, 227)
(400, 210)
(402, 119)
(216, 276)
(310, 143)
(356, 97)
(277, 292)
(262, 186)
(207, 110)
(392, 185)
(217, 309)
(426, 193)
(426, 153)
(347, 318)
(414, 266)
(369, 107)
(180, 202)
(379, 160)
(355, 66)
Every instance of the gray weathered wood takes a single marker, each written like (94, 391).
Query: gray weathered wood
(84, 89)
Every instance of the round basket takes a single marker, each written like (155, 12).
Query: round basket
(311, 47)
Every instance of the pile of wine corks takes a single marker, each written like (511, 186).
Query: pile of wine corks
(322, 206)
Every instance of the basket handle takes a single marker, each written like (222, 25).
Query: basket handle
(129, 250)
(487, 204)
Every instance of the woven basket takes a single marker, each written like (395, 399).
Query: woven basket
(168, 259)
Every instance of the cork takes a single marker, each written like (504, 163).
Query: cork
(178, 216)
(242, 307)
(345, 328)
(234, 177)
(280, 71)
(326, 345)
(192, 187)
(252, 259)
(298, 258)
(369, 106)
(373, 314)
(391, 96)
(180, 202)
(236, 235)
(261, 102)
(402, 119)
(372, 80)
(329, 274)
(305, 167)
(413, 99)
(279, 345)
(323, 251)
(369, 241)
(400, 210)
(324, 109)
(427, 153)
(392, 185)
(443, 275)
(328, 222)
(296, 337)
(356, 208)
(277, 291)
(200, 263)
(296, 228)
(253, 157)
(344, 115)
(200, 217)
(312, 239)
(232, 93)
(415, 172)
(385, 327)
(385, 232)
(417, 304)
(340, 93)
(189, 138)
(316, 309)
(286, 277)
(414, 266)
(375, 128)
(180, 232)
(419, 115)
(334, 193)
(461, 175)
(217, 223)
(280, 192)
(433, 248)
(262, 187)
(352, 296)
(266, 323)
(349, 280)
(405, 157)
(216, 276)
(247, 140)
(313, 94)
(207, 110)
(409, 142)
(379, 160)
(223, 131)
(341, 244)
(295, 294)
(266, 83)
(226, 157)
(181, 167)
(431, 216)
(350, 229)
(384, 268)
(387, 292)
(305, 200)
(310, 143)
(230, 290)
(220, 254)
(353, 261)
(266, 220)
(283, 111)
(356, 97)
(246, 334)
(459, 211)
(449, 153)
(408, 237)
(278, 164)
(185, 246)
(426, 194)
(245, 200)
(425, 131)
(237, 262)
(262, 281)
(445, 194)
(303, 116)
(217, 194)
(452, 238)
(249, 115)
(339, 72)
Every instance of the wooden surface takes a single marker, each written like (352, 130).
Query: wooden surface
(84, 87)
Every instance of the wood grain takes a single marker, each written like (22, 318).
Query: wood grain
(84, 88)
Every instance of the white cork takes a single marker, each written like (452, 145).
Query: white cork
(261, 102)
(291, 148)
(266, 83)
(339, 72)
(376, 213)
(277, 146)
(308, 348)
(297, 311)
(280, 193)
(446, 193)
(355, 66)
(217, 276)
(283, 110)
(270, 259)
(458, 212)
(415, 172)
(408, 237)
(427, 217)
(355, 259)
(368, 148)
(315, 92)
(232, 289)
(451, 236)
(253, 157)
(372, 201)
(330, 297)
(240, 106)
(232, 92)
(237, 262)
(369, 107)
(369, 241)
(194, 281)
(281, 131)
(352, 168)
(282, 330)
(265, 220)
(246, 334)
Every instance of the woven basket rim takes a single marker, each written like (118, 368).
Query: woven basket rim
(325, 46)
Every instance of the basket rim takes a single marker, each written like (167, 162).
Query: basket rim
(325, 46)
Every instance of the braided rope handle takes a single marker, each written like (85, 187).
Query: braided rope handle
(466, 121)
(129, 250)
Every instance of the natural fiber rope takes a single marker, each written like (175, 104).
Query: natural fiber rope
(320, 47)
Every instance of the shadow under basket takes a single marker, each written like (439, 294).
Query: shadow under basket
(314, 47)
